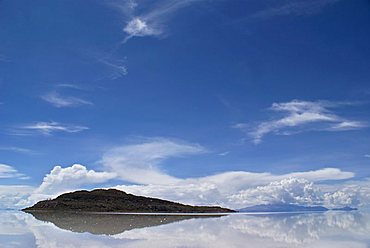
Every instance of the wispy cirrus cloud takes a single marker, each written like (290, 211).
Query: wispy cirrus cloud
(7, 171)
(60, 101)
(299, 116)
(17, 149)
(294, 7)
(117, 67)
(55, 98)
(46, 128)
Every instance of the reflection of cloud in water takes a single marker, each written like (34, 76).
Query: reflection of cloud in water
(319, 230)
(300, 228)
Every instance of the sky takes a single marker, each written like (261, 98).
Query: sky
(197, 101)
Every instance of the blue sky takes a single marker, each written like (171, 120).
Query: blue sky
(183, 89)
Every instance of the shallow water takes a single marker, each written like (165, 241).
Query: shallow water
(329, 229)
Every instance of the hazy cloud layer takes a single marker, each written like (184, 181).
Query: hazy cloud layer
(13, 196)
(299, 116)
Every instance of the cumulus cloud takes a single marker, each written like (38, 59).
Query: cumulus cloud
(47, 128)
(342, 198)
(59, 101)
(139, 163)
(287, 191)
(7, 171)
(240, 189)
(61, 180)
(299, 116)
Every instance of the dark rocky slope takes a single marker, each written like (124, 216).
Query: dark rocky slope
(112, 200)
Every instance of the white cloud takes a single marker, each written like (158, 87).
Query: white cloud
(287, 191)
(323, 174)
(149, 22)
(227, 188)
(138, 27)
(139, 163)
(64, 101)
(367, 155)
(342, 198)
(7, 171)
(60, 180)
(47, 128)
(299, 116)
(12, 195)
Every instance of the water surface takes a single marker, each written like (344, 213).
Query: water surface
(48, 229)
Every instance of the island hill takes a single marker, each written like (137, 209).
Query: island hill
(112, 200)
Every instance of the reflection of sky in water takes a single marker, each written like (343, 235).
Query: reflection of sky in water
(331, 229)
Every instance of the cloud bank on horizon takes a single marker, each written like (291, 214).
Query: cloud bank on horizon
(139, 165)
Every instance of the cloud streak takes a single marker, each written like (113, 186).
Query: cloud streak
(117, 68)
(7, 171)
(59, 101)
(47, 128)
(17, 149)
(299, 116)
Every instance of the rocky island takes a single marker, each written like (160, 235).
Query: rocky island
(112, 200)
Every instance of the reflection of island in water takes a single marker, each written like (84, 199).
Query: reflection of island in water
(109, 224)
(330, 229)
